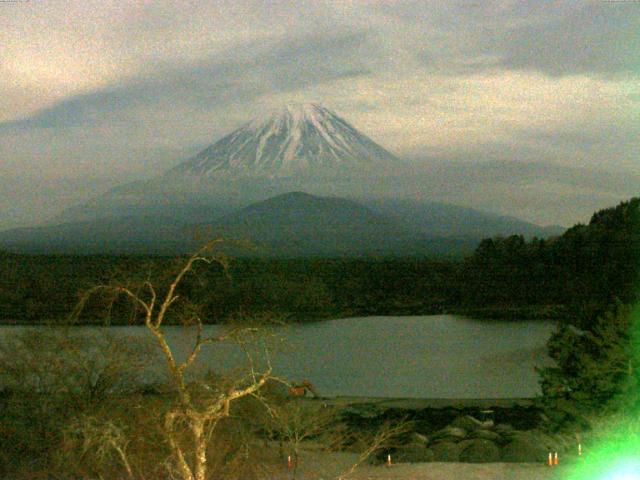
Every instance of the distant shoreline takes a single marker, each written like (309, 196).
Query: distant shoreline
(541, 312)
(422, 403)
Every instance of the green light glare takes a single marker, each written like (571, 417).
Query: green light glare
(615, 455)
(627, 470)
(616, 459)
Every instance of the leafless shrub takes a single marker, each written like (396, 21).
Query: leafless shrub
(384, 437)
(102, 442)
(49, 377)
(295, 421)
(83, 366)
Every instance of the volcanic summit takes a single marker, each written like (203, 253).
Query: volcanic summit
(298, 138)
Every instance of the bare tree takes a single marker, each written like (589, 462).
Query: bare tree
(295, 421)
(383, 437)
(196, 409)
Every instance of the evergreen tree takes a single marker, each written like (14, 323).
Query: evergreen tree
(597, 371)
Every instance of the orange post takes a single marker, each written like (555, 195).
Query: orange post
(555, 458)
(289, 462)
(550, 463)
(388, 460)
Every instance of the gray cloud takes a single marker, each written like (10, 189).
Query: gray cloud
(553, 37)
(528, 173)
(541, 192)
(602, 38)
(285, 66)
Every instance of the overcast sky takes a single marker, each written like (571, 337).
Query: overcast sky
(112, 90)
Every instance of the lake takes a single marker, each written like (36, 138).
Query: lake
(434, 356)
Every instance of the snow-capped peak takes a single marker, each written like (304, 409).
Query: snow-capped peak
(295, 138)
(294, 112)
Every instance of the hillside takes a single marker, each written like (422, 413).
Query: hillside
(292, 224)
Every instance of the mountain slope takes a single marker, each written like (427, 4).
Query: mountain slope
(299, 224)
(293, 224)
(302, 138)
(442, 219)
(134, 234)
(298, 147)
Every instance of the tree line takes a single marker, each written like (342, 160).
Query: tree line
(40, 288)
(577, 275)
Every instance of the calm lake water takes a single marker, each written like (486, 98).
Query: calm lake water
(435, 356)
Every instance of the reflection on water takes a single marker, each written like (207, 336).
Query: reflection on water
(436, 356)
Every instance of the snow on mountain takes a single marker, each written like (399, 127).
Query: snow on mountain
(299, 138)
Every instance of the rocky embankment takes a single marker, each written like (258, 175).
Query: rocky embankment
(465, 434)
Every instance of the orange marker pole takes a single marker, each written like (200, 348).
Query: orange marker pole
(289, 462)
(550, 463)
(555, 458)
(388, 460)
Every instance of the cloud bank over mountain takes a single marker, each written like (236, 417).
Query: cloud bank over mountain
(107, 90)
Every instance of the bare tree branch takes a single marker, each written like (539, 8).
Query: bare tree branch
(200, 416)
(382, 437)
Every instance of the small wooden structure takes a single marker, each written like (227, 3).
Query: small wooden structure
(300, 390)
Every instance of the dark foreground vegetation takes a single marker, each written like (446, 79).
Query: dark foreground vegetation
(77, 404)
(76, 407)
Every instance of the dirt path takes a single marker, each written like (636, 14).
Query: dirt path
(325, 466)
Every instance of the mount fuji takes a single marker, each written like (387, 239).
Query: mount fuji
(359, 199)
(298, 147)
(298, 138)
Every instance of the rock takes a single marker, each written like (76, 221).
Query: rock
(479, 451)
(539, 438)
(363, 410)
(488, 435)
(449, 433)
(419, 439)
(412, 453)
(446, 451)
(504, 429)
(561, 443)
(358, 446)
(487, 424)
(520, 450)
(468, 423)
